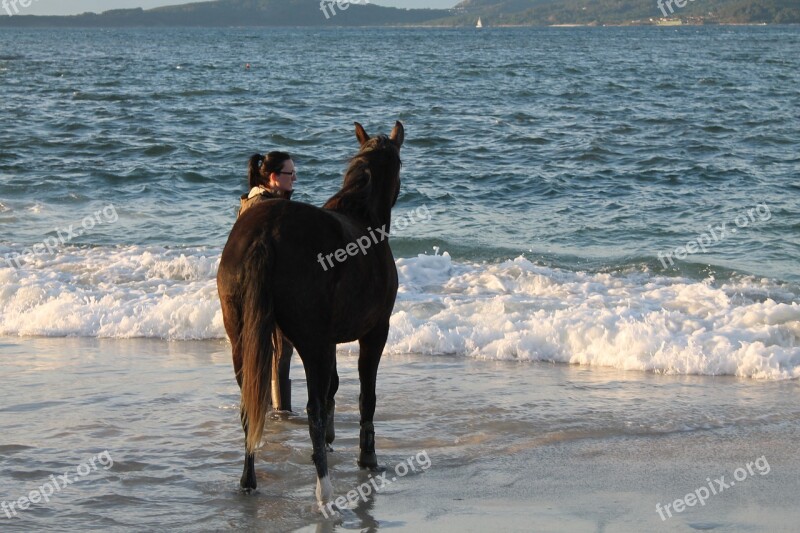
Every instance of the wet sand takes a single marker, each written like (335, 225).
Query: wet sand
(511, 446)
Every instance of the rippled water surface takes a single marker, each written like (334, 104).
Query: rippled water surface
(584, 146)
(556, 178)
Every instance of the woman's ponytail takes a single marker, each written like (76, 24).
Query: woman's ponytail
(254, 176)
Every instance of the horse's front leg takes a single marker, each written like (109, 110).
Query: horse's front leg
(371, 348)
(281, 384)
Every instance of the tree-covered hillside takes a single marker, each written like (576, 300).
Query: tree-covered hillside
(547, 12)
(241, 13)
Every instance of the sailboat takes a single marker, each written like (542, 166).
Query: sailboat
(479, 24)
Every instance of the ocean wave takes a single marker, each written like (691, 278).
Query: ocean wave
(121, 292)
(517, 310)
(510, 310)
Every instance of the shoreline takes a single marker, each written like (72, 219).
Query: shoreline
(331, 27)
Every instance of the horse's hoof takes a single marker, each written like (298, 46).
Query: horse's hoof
(328, 448)
(247, 485)
(248, 480)
(369, 461)
(377, 468)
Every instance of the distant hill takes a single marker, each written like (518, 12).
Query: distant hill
(493, 12)
(239, 13)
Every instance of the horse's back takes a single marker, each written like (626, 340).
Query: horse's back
(276, 222)
(311, 273)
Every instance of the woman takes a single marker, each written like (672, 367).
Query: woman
(270, 177)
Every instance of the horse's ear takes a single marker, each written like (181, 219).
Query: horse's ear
(398, 134)
(361, 134)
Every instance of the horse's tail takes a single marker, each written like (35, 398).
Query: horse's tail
(258, 332)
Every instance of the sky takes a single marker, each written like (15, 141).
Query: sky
(74, 7)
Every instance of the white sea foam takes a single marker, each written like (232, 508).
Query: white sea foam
(114, 292)
(510, 310)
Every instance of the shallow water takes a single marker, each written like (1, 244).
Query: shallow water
(507, 441)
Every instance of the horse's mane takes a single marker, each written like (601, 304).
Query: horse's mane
(356, 195)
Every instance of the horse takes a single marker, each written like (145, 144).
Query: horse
(318, 277)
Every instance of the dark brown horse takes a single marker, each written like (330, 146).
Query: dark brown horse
(320, 277)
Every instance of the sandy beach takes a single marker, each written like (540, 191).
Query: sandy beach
(506, 445)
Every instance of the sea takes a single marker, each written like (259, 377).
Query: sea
(614, 209)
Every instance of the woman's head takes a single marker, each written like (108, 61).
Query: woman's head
(275, 171)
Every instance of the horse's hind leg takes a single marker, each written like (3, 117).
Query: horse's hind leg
(330, 433)
(248, 481)
(233, 325)
(371, 349)
(319, 363)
